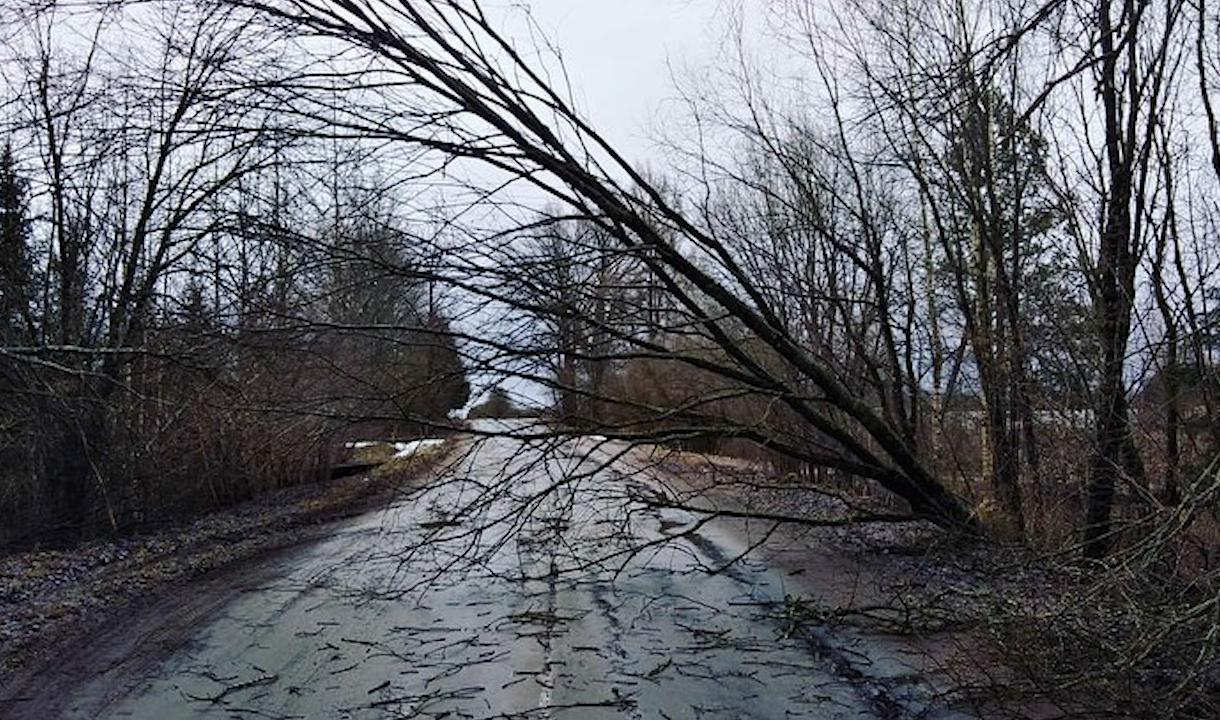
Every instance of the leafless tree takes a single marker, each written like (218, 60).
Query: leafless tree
(195, 324)
(461, 90)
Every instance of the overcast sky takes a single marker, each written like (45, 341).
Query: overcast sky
(622, 56)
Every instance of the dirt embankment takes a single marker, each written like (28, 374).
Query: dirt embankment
(52, 599)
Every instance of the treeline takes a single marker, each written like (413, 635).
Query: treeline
(197, 303)
(961, 254)
(967, 249)
(952, 253)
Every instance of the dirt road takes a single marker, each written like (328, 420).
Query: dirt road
(454, 605)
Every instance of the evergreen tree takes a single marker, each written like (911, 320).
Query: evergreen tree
(16, 286)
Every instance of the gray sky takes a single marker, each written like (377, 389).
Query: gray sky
(622, 56)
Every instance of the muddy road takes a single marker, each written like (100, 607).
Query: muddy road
(453, 604)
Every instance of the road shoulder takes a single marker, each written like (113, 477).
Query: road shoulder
(942, 604)
(80, 602)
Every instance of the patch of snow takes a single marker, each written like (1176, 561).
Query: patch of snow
(361, 444)
(407, 449)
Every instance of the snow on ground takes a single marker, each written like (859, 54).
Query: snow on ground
(401, 449)
(407, 449)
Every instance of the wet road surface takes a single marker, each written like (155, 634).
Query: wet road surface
(454, 604)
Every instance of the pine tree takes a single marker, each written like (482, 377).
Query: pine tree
(16, 320)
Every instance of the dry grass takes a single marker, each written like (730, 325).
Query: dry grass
(422, 456)
(374, 454)
(388, 457)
